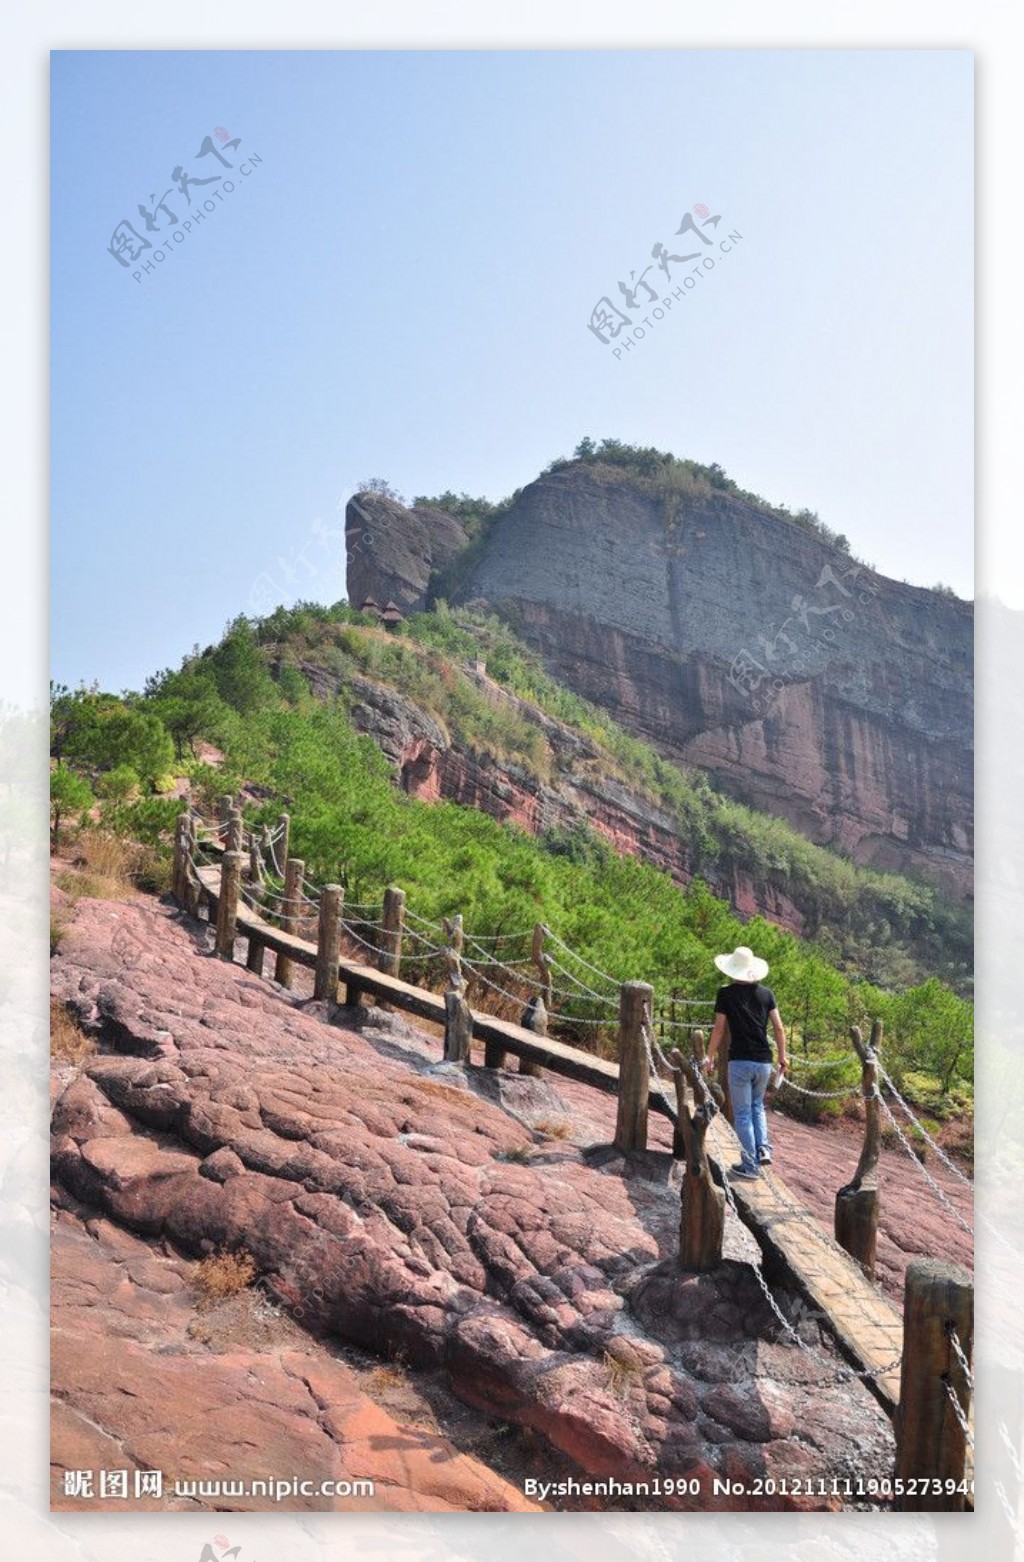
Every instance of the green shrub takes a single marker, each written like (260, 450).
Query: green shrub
(71, 796)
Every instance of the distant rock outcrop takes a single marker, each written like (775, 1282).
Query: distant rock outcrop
(737, 641)
(392, 551)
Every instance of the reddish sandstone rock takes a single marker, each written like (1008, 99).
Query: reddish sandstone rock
(378, 1200)
(137, 1388)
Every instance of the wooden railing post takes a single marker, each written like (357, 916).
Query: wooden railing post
(179, 875)
(938, 1299)
(534, 1018)
(683, 1078)
(634, 1075)
(543, 963)
(458, 1016)
(224, 807)
(702, 1202)
(294, 868)
(284, 824)
(255, 862)
(254, 956)
(535, 1015)
(328, 943)
(392, 927)
(235, 830)
(856, 1211)
(227, 904)
(191, 882)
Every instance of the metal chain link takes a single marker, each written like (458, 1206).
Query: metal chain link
(593, 969)
(821, 1095)
(925, 1173)
(943, 1157)
(820, 1062)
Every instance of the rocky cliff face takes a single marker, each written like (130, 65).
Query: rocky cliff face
(392, 551)
(429, 766)
(737, 642)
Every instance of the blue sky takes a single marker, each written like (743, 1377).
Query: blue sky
(401, 288)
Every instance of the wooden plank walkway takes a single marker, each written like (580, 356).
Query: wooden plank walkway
(797, 1248)
(866, 1326)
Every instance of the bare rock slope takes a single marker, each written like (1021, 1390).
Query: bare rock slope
(400, 1210)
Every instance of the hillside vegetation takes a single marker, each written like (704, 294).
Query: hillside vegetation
(352, 823)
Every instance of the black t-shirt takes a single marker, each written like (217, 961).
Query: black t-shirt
(747, 1005)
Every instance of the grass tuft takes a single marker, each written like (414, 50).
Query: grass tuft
(68, 1041)
(222, 1274)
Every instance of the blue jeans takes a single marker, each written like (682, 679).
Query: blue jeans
(747, 1085)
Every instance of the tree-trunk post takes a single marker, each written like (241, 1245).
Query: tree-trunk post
(534, 1018)
(458, 1028)
(938, 1299)
(681, 1076)
(856, 1210)
(235, 830)
(255, 862)
(392, 927)
(284, 824)
(254, 957)
(634, 1073)
(702, 1202)
(227, 904)
(535, 1015)
(291, 905)
(224, 807)
(328, 943)
(179, 876)
(191, 880)
(495, 1055)
(458, 1017)
(543, 963)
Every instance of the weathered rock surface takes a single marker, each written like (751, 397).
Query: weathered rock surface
(145, 1382)
(866, 742)
(397, 1209)
(397, 548)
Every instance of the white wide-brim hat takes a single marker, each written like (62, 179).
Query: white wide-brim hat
(742, 965)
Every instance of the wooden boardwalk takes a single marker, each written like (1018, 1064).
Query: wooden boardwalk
(866, 1326)
(797, 1249)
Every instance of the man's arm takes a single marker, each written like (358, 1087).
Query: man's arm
(779, 1032)
(717, 1033)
